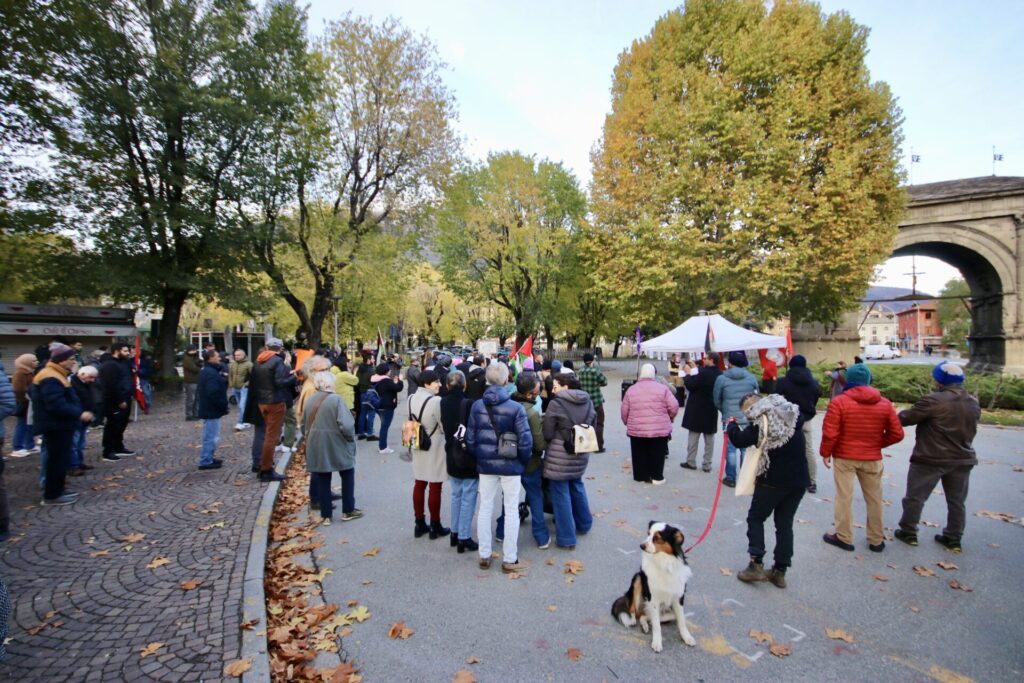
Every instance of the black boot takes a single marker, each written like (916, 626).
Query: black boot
(455, 538)
(468, 544)
(438, 531)
(421, 528)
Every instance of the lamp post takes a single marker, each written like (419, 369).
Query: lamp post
(335, 298)
(917, 316)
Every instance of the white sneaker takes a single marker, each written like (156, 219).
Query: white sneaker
(657, 482)
(239, 427)
(386, 451)
(20, 453)
(34, 450)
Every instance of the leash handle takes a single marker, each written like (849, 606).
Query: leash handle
(718, 492)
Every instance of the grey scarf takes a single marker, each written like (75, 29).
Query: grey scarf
(777, 418)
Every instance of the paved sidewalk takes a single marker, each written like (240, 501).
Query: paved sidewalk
(85, 603)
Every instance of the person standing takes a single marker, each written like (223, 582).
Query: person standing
(476, 383)
(24, 443)
(213, 405)
(700, 417)
(388, 386)
(461, 465)
(591, 381)
(238, 382)
(837, 380)
(116, 380)
(779, 489)
(254, 418)
(676, 373)
(493, 415)
(273, 384)
(429, 467)
(799, 387)
(345, 383)
(947, 421)
(858, 424)
(8, 406)
(569, 406)
(56, 412)
(330, 437)
(647, 410)
(146, 377)
(730, 387)
(190, 366)
(81, 382)
(364, 421)
(527, 391)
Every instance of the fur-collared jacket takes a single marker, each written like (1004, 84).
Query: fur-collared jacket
(784, 458)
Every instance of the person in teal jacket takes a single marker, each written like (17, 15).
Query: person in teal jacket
(731, 386)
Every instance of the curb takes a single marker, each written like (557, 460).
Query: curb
(254, 602)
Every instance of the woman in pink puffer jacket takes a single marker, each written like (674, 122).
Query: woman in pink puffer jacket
(648, 409)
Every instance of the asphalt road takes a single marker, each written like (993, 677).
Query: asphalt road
(903, 627)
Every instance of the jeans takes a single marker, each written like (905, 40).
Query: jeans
(365, 425)
(58, 448)
(464, 494)
(348, 489)
(147, 391)
(782, 502)
(320, 492)
(572, 510)
(191, 402)
(532, 483)
(23, 439)
(489, 486)
(78, 443)
(921, 481)
(386, 416)
(241, 395)
(258, 434)
(211, 437)
(731, 465)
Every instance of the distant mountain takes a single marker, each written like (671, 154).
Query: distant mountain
(876, 293)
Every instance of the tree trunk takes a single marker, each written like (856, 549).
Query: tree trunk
(588, 341)
(549, 339)
(173, 300)
(321, 309)
(615, 349)
(570, 341)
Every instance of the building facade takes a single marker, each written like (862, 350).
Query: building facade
(918, 327)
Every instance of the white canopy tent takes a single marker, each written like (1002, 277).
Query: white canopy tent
(725, 336)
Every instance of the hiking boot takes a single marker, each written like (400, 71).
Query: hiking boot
(468, 544)
(421, 528)
(271, 475)
(905, 536)
(832, 539)
(513, 567)
(953, 546)
(438, 531)
(349, 516)
(110, 457)
(753, 572)
(777, 576)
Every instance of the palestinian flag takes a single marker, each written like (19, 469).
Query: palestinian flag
(522, 358)
(140, 395)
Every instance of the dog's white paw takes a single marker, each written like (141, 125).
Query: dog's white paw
(645, 626)
(656, 645)
(688, 639)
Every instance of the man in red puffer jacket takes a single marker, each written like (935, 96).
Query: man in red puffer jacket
(858, 425)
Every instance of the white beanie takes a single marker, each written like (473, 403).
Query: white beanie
(647, 371)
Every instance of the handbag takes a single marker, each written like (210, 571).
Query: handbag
(508, 442)
(301, 448)
(747, 478)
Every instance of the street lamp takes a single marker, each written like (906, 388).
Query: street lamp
(336, 299)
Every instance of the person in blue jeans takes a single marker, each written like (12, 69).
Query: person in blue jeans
(81, 382)
(527, 391)
(569, 406)
(461, 464)
(24, 443)
(731, 386)
(388, 387)
(212, 391)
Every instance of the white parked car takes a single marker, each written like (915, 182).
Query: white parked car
(878, 352)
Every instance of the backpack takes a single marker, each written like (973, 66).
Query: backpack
(371, 398)
(583, 439)
(414, 435)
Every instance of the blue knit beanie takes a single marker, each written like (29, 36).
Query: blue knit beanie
(556, 366)
(738, 359)
(798, 361)
(859, 374)
(948, 373)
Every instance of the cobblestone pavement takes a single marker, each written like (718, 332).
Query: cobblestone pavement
(85, 599)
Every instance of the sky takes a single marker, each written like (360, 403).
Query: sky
(535, 77)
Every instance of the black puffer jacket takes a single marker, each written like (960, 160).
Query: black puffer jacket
(787, 467)
(454, 409)
(800, 387)
(272, 382)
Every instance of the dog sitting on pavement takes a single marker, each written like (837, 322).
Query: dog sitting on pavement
(657, 592)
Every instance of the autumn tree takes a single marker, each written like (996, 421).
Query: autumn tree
(748, 165)
(955, 314)
(369, 144)
(503, 232)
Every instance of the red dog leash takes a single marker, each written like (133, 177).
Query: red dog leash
(718, 493)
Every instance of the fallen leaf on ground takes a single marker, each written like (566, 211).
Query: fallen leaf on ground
(237, 667)
(472, 659)
(248, 625)
(956, 585)
(838, 634)
(761, 636)
(726, 571)
(947, 565)
(685, 508)
(574, 654)
(573, 567)
(158, 561)
(191, 584)
(99, 553)
(550, 563)
(923, 571)
(359, 614)
(372, 552)
(780, 650)
(569, 579)
(1001, 516)
(464, 676)
(352, 603)
(344, 671)
(933, 525)
(993, 545)
(400, 630)
(133, 538)
(367, 582)
(880, 577)
(150, 649)
(552, 608)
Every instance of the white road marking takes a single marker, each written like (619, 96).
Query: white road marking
(626, 552)
(756, 657)
(735, 602)
(800, 635)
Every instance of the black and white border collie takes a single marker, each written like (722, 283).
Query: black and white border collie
(658, 591)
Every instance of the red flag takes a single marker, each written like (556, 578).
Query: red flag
(523, 354)
(140, 395)
(789, 345)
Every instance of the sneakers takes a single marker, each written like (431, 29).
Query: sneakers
(687, 466)
(513, 567)
(326, 521)
(485, 563)
(777, 577)
(125, 453)
(349, 516)
(239, 427)
(706, 468)
(544, 546)
(877, 548)
(832, 539)
(110, 457)
(21, 453)
(731, 483)
(953, 546)
(753, 573)
(386, 451)
(271, 475)
(905, 536)
(66, 499)
(215, 465)
(657, 482)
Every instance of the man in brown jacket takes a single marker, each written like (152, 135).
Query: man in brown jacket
(947, 420)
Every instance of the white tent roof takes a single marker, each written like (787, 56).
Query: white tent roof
(725, 336)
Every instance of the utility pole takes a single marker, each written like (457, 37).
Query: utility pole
(336, 298)
(914, 272)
